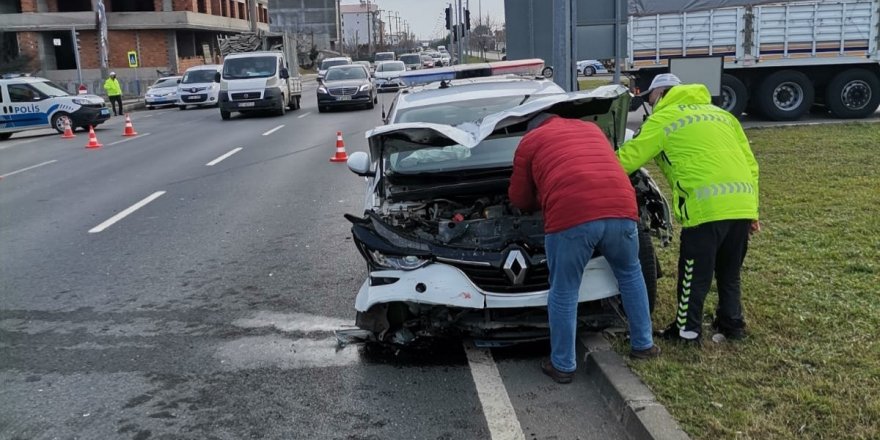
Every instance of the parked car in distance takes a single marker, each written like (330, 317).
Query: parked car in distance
(330, 62)
(162, 92)
(346, 86)
(197, 87)
(413, 61)
(591, 67)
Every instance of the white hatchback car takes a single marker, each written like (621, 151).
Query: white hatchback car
(445, 250)
(162, 92)
(197, 87)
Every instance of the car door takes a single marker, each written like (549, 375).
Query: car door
(27, 107)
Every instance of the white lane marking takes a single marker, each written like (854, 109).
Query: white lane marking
(28, 168)
(293, 322)
(220, 159)
(303, 115)
(499, 412)
(147, 116)
(273, 130)
(126, 213)
(128, 139)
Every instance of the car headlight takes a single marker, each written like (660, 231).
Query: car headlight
(396, 262)
(322, 90)
(81, 102)
(365, 87)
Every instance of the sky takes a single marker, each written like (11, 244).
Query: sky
(426, 17)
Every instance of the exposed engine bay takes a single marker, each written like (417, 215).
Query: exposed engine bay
(485, 223)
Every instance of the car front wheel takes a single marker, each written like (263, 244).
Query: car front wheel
(58, 121)
(224, 115)
(589, 71)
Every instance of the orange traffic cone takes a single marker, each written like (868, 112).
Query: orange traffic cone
(68, 132)
(129, 129)
(340, 149)
(93, 140)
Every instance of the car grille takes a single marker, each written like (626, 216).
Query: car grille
(93, 105)
(493, 279)
(248, 96)
(343, 91)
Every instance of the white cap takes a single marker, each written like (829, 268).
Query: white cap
(662, 80)
(114, 73)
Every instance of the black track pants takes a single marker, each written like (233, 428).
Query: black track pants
(711, 249)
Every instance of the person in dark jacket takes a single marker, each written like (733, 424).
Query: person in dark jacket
(568, 169)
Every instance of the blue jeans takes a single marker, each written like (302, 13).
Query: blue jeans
(568, 253)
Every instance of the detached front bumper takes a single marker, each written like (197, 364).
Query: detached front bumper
(444, 285)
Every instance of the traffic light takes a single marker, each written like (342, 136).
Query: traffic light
(467, 19)
(448, 17)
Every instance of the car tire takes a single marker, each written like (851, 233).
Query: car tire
(853, 93)
(734, 95)
(224, 115)
(785, 95)
(589, 71)
(150, 107)
(181, 107)
(650, 266)
(5, 136)
(58, 121)
(322, 109)
(282, 108)
(291, 103)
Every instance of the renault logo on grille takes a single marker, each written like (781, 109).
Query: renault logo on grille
(516, 267)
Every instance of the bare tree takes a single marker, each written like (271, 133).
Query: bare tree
(483, 35)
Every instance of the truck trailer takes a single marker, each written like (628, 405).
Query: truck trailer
(780, 59)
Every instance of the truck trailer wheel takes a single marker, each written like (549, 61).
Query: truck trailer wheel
(785, 95)
(734, 95)
(853, 93)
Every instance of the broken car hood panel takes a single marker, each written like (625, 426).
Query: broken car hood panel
(606, 101)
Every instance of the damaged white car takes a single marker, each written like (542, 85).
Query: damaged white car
(447, 253)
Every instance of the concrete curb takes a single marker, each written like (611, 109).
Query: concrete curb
(628, 398)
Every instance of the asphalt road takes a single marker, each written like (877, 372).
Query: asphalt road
(146, 294)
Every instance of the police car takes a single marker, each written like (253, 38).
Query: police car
(445, 250)
(29, 103)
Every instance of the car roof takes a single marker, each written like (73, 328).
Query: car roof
(255, 53)
(206, 67)
(336, 59)
(23, 80)
(170, 77)
(476, 88)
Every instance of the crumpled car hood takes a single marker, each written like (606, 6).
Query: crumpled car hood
(609, 103)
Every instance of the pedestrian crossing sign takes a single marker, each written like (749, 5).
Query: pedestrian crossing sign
(132, 59)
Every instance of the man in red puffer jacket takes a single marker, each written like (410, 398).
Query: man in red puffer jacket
(567, 169)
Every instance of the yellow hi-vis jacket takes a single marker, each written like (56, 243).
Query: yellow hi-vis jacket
(111, 85)
(704, 155)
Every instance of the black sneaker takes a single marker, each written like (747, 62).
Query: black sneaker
(648, 353)
(673, 333)
(558, 376)
(734, 331)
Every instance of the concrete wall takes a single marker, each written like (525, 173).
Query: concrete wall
(314, 20)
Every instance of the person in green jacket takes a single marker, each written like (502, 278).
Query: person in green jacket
(705, 156)
(114, 93)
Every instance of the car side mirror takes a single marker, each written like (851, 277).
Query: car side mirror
(359, 163)
(636, 103)
(285, 74)
(216, 78)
